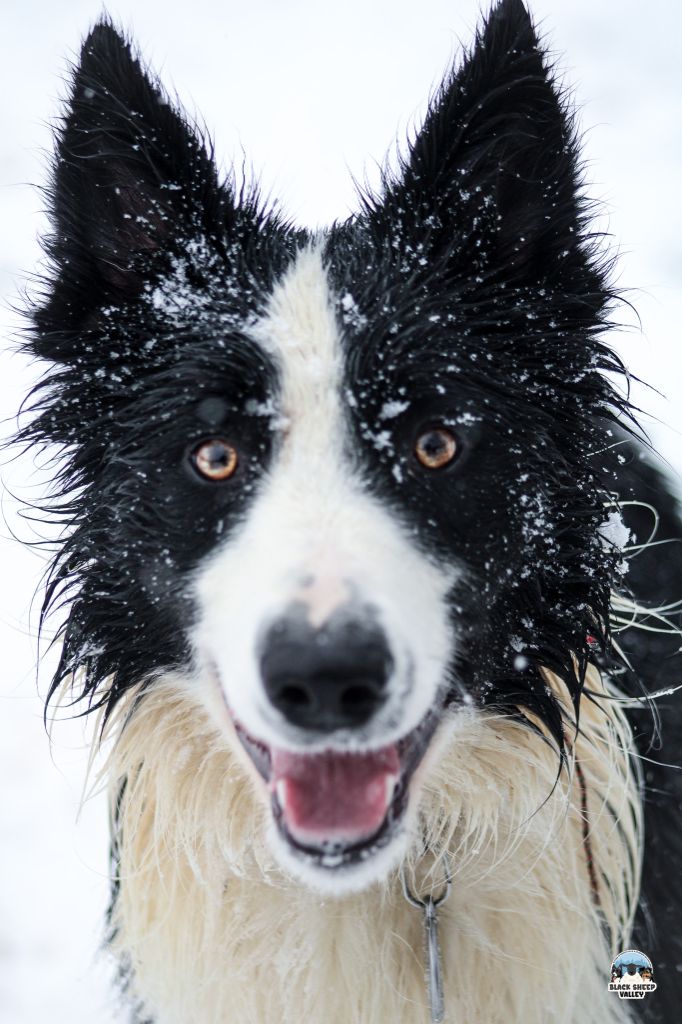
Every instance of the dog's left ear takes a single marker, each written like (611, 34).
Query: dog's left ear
(492, 176)
(133, 182)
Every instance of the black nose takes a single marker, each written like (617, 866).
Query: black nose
(334, 677)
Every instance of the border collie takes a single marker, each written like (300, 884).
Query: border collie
(348, 518)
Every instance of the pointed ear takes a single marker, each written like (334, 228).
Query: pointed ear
(132, 180)
(492, 176)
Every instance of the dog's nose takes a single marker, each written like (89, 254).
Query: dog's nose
(326, 678)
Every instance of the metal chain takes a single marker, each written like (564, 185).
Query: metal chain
(429, 906)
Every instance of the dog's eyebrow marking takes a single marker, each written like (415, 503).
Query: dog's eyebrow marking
(212, 410)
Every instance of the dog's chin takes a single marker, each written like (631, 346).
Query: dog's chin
(340, 818)
(332, 874)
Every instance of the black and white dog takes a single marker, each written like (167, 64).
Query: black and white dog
(346, 571)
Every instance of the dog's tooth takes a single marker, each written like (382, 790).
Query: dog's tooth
(391, 783)
(281, 792)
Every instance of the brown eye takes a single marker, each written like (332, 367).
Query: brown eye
(436, 448)
(215, 459)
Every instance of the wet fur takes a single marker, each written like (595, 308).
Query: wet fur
(475, 270)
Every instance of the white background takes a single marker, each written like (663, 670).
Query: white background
(312, 93)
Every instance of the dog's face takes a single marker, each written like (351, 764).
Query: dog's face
(323, 619)
(342, 482)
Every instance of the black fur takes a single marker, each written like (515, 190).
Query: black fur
(490, 292)
(133, 190)
(480, 295)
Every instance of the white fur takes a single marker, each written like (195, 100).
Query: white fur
(215, 931)
(315, 535)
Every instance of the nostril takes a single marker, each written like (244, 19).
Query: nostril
(358, 697)
(294, 697)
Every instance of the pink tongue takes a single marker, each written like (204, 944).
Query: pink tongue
(334, 796)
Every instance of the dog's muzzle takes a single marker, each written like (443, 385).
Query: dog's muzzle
(338, 789)
(329, 681)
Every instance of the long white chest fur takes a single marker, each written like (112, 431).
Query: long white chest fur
(214, 932)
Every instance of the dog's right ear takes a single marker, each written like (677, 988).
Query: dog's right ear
(133, 183)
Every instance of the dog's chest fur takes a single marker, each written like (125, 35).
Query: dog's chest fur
(208, 923)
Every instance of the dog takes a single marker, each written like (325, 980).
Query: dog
(355, 524)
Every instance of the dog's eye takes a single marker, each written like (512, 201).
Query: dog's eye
(215, 459)
(436, 447)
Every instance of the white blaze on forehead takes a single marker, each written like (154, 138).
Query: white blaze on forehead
(300, 330)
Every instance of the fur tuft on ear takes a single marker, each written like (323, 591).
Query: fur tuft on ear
(491, 180)
(132, 182)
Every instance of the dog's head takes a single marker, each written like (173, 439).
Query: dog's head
(347, 484)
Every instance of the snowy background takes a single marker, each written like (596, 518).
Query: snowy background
(311, 93)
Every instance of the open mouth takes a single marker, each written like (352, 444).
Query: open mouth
(338, 807)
